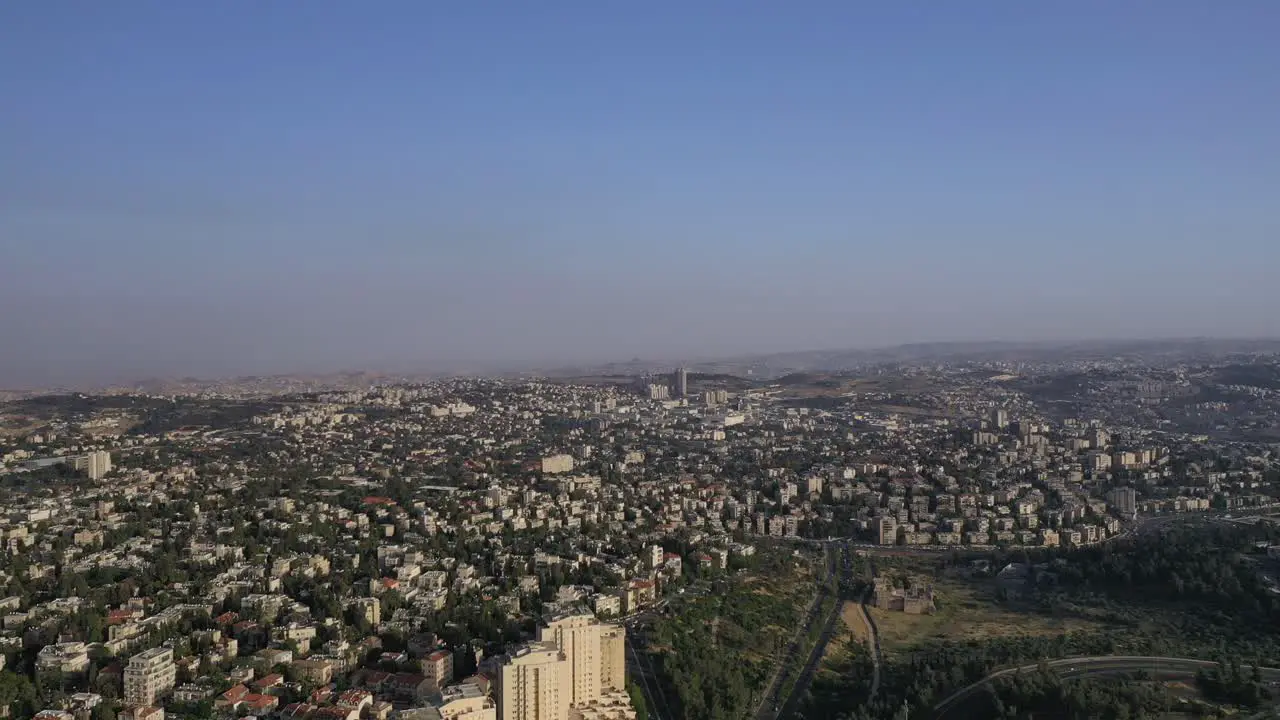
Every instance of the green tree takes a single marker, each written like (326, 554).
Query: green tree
(17, 693)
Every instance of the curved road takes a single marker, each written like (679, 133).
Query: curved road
(953, 707)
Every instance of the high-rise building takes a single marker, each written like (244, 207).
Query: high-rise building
(681, 382)
(999, 418)
(534, 684)
(887, 531)
(613, 658)
(813, 485)
(95, 464)
(578, 637)
(149, 675)
(576, 663)
(659, 392)
(1099, 438)
(1124, 500)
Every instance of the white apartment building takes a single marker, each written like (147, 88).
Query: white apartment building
(70, 658)
(148, 676)
(96, 464)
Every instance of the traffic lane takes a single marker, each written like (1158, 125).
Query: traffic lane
(953, 708)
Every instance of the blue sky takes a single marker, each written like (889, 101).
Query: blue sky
(225, 187)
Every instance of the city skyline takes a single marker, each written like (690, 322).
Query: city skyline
(188, 191)
(661, 370)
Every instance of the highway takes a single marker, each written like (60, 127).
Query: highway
(874, 638)
(768, 707)
(640, 666)
(820, 647)
(1162, 668)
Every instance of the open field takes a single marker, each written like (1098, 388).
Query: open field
(966, 611)
(854, 623)
(851, 634)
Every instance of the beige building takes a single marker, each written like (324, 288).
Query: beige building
(578, 662)
(613, 658)
(914, 599)
(557, 464)
(887, 531)
(149, 675)
(578, 638)
(96, 464)
(654, 556)
(438, 668)
(369, 608)
(463, 702)
(533, 684)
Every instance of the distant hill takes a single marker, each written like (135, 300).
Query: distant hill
(1258, 375)
(720, 381)
(798, 378)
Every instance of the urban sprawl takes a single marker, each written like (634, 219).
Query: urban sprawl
(491, 549)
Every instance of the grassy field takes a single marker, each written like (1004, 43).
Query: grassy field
(966, 610)
(854, 623)
(850, 637)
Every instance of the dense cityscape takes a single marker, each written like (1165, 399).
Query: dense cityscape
(579, 547)
(639, 361)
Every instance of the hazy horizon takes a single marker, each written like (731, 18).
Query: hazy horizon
(212, 190)
(465, 368)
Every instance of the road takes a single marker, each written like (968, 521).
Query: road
(873, 638)
(954, 706)
(640, 664)
(805, 677)
(768, 707)
(640, 667)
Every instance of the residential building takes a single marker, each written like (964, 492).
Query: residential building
(149, 675)
(95, 464)
(613, 658)
(437, 667)
(887, 530)
(578, 638)
(1124, 500)
(533, 684)
(554, 464)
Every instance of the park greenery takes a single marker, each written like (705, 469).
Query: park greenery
(717, 650)
(1192, 591)
(1046, 695)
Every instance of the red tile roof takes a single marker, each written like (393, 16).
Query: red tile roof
(261, 702)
